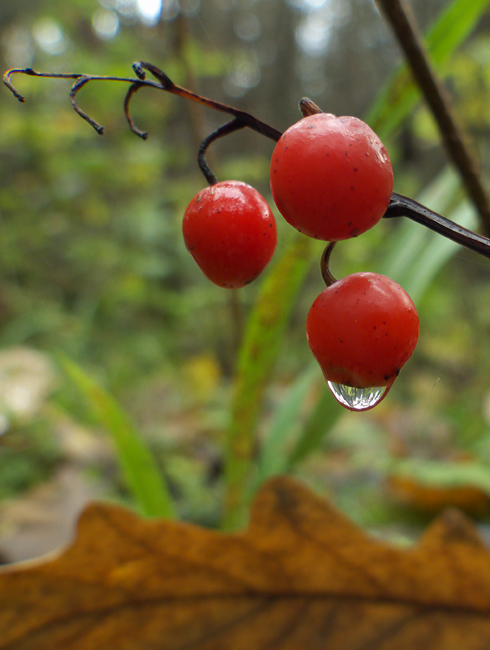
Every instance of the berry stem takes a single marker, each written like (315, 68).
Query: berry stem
(226, 129)
(326, 275)
(78, 85)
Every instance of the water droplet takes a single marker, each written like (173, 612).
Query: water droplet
(358, 399)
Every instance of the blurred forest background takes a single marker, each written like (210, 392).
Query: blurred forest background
(93, 266)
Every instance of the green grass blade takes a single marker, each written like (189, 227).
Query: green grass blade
(400, 95)
(436, 253)
(258, 353)
(411, 237)
(417, 254)
(453, 26)
(321, 421)
(137, 462)
(275, 449)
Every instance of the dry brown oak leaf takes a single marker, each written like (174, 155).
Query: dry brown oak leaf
(301, 577)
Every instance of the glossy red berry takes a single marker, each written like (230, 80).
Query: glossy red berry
(230, 231)
(331, 177)
(362, 330)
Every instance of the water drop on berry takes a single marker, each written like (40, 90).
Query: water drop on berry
(358, 399)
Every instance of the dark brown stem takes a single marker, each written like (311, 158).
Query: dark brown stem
(164, 84)
(326, 275)
(402, 206)
(244, 118)
(226, 129)
(78, 85)
(405, 29)
(81, 81)
(133, 89)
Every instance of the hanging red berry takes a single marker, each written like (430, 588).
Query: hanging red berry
(331, 178)
(362, 330)
(230, 231)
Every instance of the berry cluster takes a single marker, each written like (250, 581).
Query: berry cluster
(331, 178)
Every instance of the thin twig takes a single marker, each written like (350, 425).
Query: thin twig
(405, 29)
(78, 85)
(81, 80)
(165, 84)
(245, 118)
(68, 75)
(133, 88)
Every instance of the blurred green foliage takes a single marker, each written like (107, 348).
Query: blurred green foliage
(29, 455)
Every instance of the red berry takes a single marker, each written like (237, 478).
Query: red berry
(362, 330)
(230, 231)
(331, 178)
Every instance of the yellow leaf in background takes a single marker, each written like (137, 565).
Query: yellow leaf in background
(300, 577)
(204, 374)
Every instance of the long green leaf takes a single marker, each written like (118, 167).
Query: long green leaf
(437, 252)
(400, 96)
(417, 255)
(275, 450)
(410, 237)
(137, 462)
(258, 353)
(321, 421)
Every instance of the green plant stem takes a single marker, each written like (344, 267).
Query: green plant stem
(259, 350)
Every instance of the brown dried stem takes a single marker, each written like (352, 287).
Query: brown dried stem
(402, 206)
(164, 84)
(324, 264)
(245, 118)
(407, 34)
(226, 129)
(81, 81)
(132, 90)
